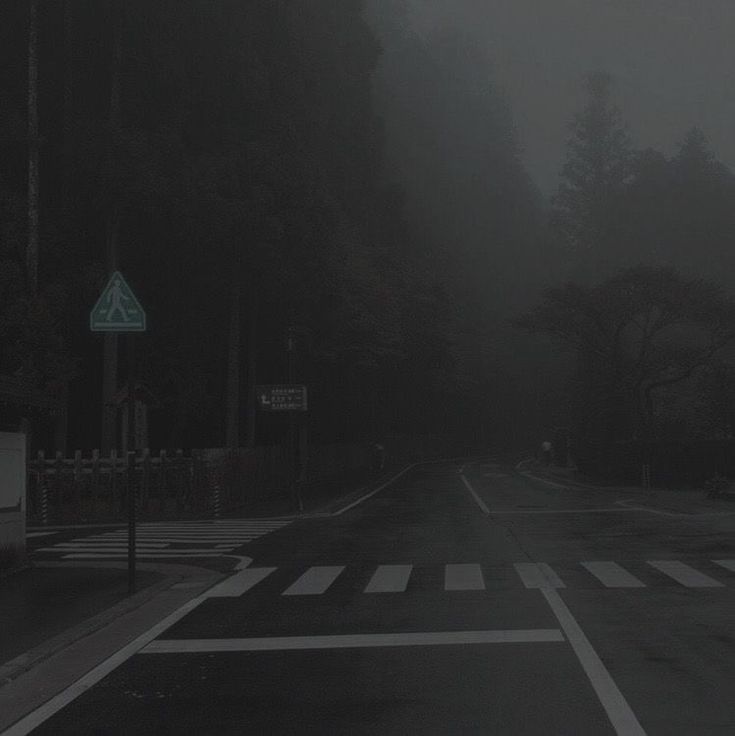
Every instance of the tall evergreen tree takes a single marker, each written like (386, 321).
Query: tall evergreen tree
(593, 178)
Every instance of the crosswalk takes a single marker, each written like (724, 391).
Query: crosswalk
(162, 540)
(399, 578)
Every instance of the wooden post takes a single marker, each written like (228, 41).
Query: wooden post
(113, 500)
(59, 468)
(42, 489)
(93, 489)
(162, 481)
(78, 481)
(145, 490)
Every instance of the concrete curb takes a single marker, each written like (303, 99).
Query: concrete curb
(21, 664)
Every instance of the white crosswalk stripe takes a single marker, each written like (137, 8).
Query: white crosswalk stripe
(685, 574)
(612, 575)
(315, 580)
(463, 577)
(162, 540)
(389, 579)
(318, 580)
(538, 575)
(727, 564)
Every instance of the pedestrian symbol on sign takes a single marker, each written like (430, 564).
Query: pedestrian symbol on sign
(117, 309)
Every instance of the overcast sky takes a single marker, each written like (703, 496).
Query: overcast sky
(673, 61)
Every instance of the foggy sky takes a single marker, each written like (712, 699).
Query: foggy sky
(673, 61)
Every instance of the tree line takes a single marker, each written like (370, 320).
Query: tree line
(647, 316)
(272, 174)
(226, 157)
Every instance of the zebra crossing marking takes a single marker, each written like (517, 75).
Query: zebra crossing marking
(389, 579)
(727, 564)
(612, 575)
(684, 574)
(538, 575)
(463, 577)
(315, 580)
(240, 582)
(168, 539)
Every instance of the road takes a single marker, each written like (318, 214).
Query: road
(460, 599)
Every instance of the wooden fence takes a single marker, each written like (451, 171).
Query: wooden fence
(94, 488)
(206, 483)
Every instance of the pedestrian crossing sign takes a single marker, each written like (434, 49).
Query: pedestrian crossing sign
(117, 309)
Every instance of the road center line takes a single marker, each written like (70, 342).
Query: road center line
(478, 500)
(346, 641)
(616, 706)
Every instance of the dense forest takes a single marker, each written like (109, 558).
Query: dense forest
(320, 175)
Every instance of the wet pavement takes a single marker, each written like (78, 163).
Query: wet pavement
(461, 598)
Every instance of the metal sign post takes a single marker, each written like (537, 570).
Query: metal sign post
(287, 398)
(118, 310)
(131, 465)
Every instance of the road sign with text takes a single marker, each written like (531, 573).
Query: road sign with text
(282, 397)
(117, 309)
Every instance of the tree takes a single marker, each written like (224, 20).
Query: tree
(639, 331)
(597, 168)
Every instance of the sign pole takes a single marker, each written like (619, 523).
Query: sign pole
(118, 310)
(131, 464)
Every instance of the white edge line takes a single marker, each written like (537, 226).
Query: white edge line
(621, 715)
(344, 641)
(36, 717)
(627, 505)
(373, 492)
(543, 480)
(480, 502)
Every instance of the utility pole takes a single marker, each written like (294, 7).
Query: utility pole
(232, 407)
(293, 452)
(110, 348)
(33, 154)
(252, 364)
(33, 186)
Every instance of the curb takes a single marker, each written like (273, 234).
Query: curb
(21, 664)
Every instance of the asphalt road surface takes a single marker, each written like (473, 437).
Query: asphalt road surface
(460, 599)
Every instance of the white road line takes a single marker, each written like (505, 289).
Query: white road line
(628, 504)
(684, 574)
(543, 480)
(389, 579)
(497, 512)
(240, 582)
(463, 577)
(34, 719)
(147, 555)
(342, 641)
(727, 564)
(99, 545)
(373, 492)
(478, 500)
(31, 535)
(178, 538)
(538, 575)
(616, 706)
(612, 575)
(211, 527)
(315, 580)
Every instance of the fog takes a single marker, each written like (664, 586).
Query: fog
(672, 60)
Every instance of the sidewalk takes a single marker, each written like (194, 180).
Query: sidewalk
(58, 620)
(679, 501)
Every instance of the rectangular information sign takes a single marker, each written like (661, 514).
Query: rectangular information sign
(281, 397)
